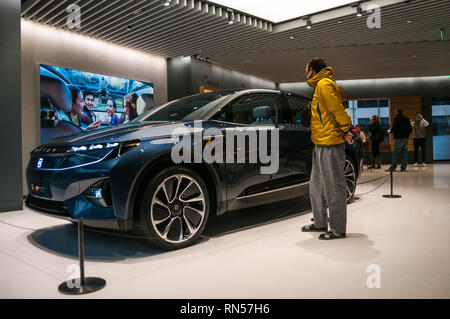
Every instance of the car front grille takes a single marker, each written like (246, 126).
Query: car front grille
(48, 206)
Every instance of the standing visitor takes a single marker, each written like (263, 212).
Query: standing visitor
(419, 125)
(330, 129)
(376, 137)
(401, 129)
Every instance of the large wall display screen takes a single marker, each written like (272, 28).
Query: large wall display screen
(73, 101)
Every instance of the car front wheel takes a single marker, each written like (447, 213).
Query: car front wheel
(175, 208)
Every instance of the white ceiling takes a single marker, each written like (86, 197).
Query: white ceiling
(281, 10)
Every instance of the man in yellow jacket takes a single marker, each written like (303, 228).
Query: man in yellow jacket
(330, 126)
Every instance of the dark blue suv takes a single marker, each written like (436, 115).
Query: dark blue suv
(125, 177)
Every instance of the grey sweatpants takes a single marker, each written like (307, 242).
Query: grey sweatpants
(329, 187)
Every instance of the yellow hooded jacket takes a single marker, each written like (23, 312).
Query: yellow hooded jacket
(329, 119)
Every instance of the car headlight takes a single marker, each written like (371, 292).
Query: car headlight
(59, 158)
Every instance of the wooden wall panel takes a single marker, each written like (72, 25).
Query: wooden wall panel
(410, 106)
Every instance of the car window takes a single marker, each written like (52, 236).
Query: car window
(251, 109)
(296, 105)
(194, 107)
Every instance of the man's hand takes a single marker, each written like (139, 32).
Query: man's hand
(93, 126)
(348, 138)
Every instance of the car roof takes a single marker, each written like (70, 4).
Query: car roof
(246, 91)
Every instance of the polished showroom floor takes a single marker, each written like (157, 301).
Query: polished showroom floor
(256, 253)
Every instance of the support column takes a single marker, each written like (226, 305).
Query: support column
(10, 118)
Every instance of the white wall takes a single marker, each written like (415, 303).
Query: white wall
(45, 45)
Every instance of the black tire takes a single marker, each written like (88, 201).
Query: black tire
(158, 214)
(350, 177)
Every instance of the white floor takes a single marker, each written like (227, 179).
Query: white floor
(256, 253)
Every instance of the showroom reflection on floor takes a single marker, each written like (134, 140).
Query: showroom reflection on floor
(255, 253)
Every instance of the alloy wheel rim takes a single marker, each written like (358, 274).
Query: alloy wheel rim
(178, 208)
(350, 177)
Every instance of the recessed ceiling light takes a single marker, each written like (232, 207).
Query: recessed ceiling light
(339, 21)
(308, 24)
(291, 37)
(359, 12)
(414, 56)
(409, 21)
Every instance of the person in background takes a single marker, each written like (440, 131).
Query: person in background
(88, 115)
(401, 129)
(330, 129)
(418, 126)
(111, 110)
(364, 140)
(376, 137)
(361, 133)
(74, 115)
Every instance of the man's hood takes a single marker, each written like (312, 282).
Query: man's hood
(324, 73)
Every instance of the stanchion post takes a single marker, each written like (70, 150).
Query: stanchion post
(392, 187)
(89, 284)
(81, 251)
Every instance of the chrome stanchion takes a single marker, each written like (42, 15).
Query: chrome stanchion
(392, 188)
(85, 285)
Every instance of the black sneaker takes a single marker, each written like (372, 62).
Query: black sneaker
(329, 235)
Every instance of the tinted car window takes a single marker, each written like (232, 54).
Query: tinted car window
(253, 109)
(296, 105)
(186, 109)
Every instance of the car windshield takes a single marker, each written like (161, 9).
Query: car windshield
(189, 108)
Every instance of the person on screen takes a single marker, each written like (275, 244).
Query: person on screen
(111, 110)
(74, 115)
(88, 115)
(132, 106)
(124, 117)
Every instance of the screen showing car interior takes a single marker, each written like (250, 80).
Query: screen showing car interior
(73, 101)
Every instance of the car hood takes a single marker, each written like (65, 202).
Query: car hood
(123, 132)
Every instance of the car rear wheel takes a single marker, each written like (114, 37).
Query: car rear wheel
(350, 177)
(175, 208)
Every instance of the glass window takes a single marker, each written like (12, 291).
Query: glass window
(362, 110)
(383, 103)
(189, 108)
(441, 101)
(346, 104)
(441, 128)
(253, 109)
(296, 105)
(372, 103)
